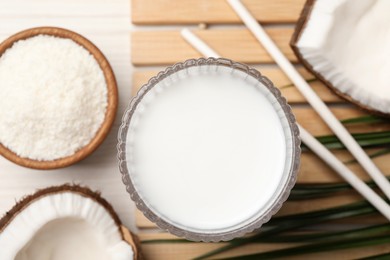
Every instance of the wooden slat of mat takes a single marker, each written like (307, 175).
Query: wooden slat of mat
(305, 115)
(275, 74)
(212, 11)
(290, 207)
(168, 47)
(183, 251)
(314, 170)
(295, 207)
(163, 251)
(146, 225)
(312, 122)
(309, 119)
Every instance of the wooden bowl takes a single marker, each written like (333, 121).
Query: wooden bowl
(112, 99)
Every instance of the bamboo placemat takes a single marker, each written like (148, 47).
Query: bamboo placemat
(163, 46)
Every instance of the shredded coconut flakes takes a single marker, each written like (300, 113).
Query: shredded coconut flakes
(53, 97)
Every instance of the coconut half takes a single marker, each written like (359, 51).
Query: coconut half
(64, 223)
(346, 44)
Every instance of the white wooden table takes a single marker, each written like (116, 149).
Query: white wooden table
(107, 24)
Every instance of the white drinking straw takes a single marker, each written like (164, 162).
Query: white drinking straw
(345, 172)
(318, 105)
(311, 142)
(201, 46)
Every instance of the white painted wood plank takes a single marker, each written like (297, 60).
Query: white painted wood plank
(66, 8)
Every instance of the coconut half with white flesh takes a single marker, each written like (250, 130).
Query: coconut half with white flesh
(66, 222)
(346, 44)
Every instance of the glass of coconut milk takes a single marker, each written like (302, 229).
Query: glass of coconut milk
(209, 149)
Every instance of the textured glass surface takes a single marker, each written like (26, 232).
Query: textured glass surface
(292, 158)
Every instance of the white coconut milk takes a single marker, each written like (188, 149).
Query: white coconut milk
(206, 149)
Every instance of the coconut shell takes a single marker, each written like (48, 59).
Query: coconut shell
(134, 242)
(129, 237)
(299, 28)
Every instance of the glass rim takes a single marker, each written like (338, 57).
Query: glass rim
(281, 197)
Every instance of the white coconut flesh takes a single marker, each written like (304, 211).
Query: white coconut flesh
(63, 226)
(348, 43)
